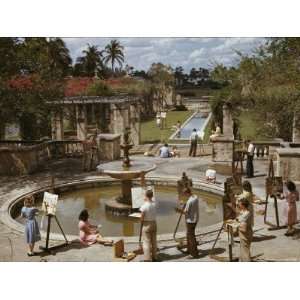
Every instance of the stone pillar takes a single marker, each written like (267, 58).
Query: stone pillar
(227, 122)
(296, 128)
(288, 163)
(135, 124)
(57, 126)
(118, 117)
(81, 122)
(222, 150)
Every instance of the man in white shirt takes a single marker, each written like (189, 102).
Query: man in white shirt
(148, 220)
(249, 165)
(164, 151)
(191, 212)
(193, 141)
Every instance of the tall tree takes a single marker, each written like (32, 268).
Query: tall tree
(90, 64)
(114, 53)
(162, 79)
(59, 56)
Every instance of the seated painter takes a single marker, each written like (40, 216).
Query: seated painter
(215, 133)
(88, 233)
(211, 175)
(164, 151)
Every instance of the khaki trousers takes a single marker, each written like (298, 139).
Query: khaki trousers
(149, 241)
(245, 244)
(191, 239)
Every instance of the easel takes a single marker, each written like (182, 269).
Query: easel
(183, 183)
(228, 213)
(140, 250)
(49, 218)
(274, 185)
(237, 161)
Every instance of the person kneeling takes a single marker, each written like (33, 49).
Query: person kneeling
(88, 233)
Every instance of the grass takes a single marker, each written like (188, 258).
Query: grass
(150, 133)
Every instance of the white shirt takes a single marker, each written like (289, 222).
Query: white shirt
(210, 173)
(194, 136)
(192, 209)
(251, 149)
(164, 152)
(149, 209)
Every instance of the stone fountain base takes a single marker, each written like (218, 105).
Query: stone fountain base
(117, 208)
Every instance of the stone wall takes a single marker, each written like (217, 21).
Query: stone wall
(24, 159)
(109, 146)
(288, 163)
(222, 149)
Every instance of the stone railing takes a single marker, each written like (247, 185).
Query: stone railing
(25, 157)
(263, 149)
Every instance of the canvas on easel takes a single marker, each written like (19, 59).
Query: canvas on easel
(49, 207)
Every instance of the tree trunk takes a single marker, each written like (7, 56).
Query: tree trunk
(2, 131)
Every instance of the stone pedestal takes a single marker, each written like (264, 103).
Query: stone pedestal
(288, 163)
(135, 124)
(296, 129)
(57, 127)
(81, 122)
(222, 149)
(227, 122)
(109, 146)
(119, 118)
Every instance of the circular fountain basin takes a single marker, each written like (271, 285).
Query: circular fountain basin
(116, 170)
(93, 195)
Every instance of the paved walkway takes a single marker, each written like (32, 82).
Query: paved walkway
(267, 245)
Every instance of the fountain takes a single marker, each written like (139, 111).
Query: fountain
(126, 171)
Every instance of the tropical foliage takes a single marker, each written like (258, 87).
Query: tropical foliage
(267, 83)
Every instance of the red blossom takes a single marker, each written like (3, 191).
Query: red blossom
(21, 83)
(78, 86)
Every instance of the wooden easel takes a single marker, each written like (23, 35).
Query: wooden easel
(271, 190)
(49, 219)
(229, 186)
(179, 241)
(47, 248)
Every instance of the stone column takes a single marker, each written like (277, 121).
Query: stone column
(57, 126)
(227, 122)
(81, 122)
(135, 124)
(118, 121)
(296, 128)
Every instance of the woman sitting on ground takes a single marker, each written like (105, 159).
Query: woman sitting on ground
(175, 152)
(290, 210)
(89, 234)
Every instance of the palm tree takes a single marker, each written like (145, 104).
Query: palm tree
(91, 61)
(114, 53)
(59, 55)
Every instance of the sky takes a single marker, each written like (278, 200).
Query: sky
(186, 52)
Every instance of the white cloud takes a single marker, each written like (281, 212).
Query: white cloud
(186, 52)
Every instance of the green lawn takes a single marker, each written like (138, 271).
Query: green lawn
(150, 133)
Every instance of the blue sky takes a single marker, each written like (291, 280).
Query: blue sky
(185, 52)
